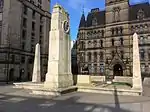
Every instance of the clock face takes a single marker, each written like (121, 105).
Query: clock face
(66, 26)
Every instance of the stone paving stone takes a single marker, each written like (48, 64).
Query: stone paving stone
(18, 100)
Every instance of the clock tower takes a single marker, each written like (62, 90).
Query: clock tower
(59, 62)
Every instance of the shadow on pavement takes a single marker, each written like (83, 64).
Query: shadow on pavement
(10, 103)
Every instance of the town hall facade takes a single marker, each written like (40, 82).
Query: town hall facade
(104, 40)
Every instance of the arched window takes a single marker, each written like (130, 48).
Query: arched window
(82, 57)
(121, 41)
(117, 31)
(101, 56)
(95, 68)
(112, 30)
(94, 22)
(89, 56)
(102, 33)
(95, 56)
(121, 30)
(89, 44)
(82, 45)
(112, 41)
(101, 68)
(101, 43)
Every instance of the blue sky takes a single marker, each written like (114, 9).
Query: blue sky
(75, 9)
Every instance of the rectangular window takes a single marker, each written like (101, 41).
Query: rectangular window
(33, 26)
(32, 39)
(32, 48)
(12, 58)
(24, 22)
(33, 14)
(40, 1)
(149, 55)
(40, 40)
(32, 34)
(23, 45)
(41, 28)
(25, 10)
(41, 18)
(22, 59)
(23, 34)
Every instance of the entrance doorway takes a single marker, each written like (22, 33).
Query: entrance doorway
(118, 71)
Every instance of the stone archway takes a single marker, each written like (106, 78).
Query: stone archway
(117, 70)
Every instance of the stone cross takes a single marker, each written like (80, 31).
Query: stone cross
(137, 81)
(36, 77)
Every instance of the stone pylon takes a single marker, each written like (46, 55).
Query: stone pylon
(137, 81)
(36, 77)
(59, 61)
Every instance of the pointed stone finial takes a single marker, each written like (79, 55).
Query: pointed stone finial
(83, 9)
(36, 77)
(137, 81)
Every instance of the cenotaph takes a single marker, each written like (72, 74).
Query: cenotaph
(59, 61)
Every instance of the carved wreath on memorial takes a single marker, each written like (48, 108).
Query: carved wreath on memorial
(66, 26)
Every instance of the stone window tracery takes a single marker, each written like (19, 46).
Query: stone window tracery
(140, 14)
(94, 22)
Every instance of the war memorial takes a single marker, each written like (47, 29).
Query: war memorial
(59, 78)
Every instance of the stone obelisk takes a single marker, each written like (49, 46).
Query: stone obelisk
(59, 61)
(36, 77)
(137, 81)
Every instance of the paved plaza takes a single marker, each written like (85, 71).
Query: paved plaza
(19, 100)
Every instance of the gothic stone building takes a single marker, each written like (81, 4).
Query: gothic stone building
(104, 40)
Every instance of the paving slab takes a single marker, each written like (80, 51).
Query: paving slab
(12, 100)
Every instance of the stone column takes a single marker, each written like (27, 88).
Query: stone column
(137, 81)
(36, 77)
